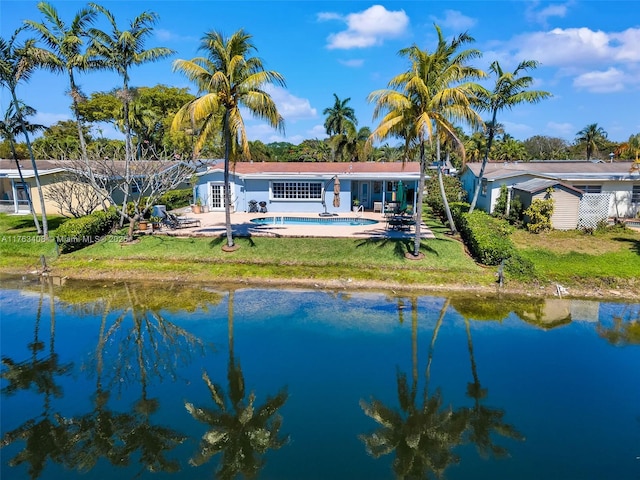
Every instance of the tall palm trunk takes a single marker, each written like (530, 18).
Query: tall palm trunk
(443, 193)
(45, 225)
(127, 159)
(76, 112)
(421, 182)
(485, 159)
(227, 189)
(36, 222)
(432, 345)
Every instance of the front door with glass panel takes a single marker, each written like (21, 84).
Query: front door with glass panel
(364, 194)
(216, 201)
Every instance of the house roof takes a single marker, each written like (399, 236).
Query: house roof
(8, 168)
(409, 170)
(540, 184)
(107, 168)
(565, 170)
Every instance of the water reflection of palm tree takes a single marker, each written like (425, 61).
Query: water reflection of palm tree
(625, 329)
(485, 421)
(152, 346)
(421, 432)
(46, 436)
(240, 430)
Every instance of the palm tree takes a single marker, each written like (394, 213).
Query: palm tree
(510, 149)
(10, 126)
(485, 422)
(242, 431)
(17, 62)
(49, 436)
(421, 432)
(228, 79)
(120, 51)
(65, 46)
(422, 103)
(352, 144)
(339, 116)
(510, 89)
(592, 137)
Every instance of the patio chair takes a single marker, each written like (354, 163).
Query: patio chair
(174, 221)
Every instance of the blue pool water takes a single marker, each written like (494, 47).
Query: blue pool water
(156, 381)
(342, 221)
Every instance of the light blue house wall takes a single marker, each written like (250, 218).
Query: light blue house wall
(487, 199)
(245, 190)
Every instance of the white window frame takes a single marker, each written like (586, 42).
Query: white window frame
(590, 188)
(295, 190)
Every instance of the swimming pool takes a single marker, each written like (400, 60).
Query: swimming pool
(341, 221)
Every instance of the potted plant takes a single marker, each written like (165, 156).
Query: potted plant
(156, 222)
(197, 207)
(356, 204)
(142, 224)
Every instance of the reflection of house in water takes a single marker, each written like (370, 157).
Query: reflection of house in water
(584, 310)
(553, 312)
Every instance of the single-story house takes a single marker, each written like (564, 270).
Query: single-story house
(53, 174)
(13, 192)
(307, 187)
(615, 180)
(566, 200)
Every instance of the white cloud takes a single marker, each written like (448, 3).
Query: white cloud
(455, 20)
(597, 61)
(355, 62)
(290, 106)
(517, 129)
(628, 43)
(48, 119)
(165, 35)
(561, 129)
(578, 46)
(541, 16)
(318, 131)
(611, 80)
(367, 28)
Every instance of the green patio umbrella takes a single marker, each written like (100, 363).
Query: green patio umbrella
(401, 196)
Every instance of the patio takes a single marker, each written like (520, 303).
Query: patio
(213, 224)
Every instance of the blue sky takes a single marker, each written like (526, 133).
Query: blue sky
(589, 53)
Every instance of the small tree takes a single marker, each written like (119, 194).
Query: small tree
(142, 182)
(73, 196)
(539, 214)
(500, 208)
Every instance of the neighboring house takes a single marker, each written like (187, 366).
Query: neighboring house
(566, 200)
(52, 174)
(614, 179)
(13, 193)
(307, 187)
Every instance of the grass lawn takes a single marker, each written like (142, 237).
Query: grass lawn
(603, 258)
(279, 259)
(610, 258)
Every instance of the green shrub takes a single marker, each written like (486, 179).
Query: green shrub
(80, 232)
(500, 208)
(516, 211)
(486, 237)
(488, 240)
(176, 198)
(520, 267)
(539, 214)
(453, 189)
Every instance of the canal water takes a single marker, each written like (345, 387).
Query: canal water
(115, 380)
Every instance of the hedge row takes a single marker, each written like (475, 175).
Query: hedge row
(176, 198)
(487, 239)
(80, 232)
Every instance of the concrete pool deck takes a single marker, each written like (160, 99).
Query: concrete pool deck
(213, 224)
